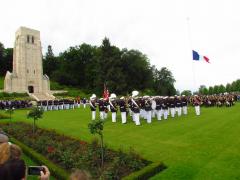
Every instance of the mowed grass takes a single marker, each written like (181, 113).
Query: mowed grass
(1, 82)
(192, 147)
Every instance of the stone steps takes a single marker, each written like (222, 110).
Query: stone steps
(41, 96)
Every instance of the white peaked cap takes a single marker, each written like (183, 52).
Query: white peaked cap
(122, 97)
(93, 96)
(112, 96)
(135, 93)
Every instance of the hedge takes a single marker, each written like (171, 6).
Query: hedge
(147, 172)
(56, 171)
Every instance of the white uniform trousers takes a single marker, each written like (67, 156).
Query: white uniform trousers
(159, 114)
(114, 115)
(93, 115)
(165, 114)
(153, 113)
(105, 115)
(149, 116)
(136, 118)
(172, 110)
(124, 117)
(84, 105)
(185, 110)
(130, 112)
(179, 111)
(197, 110)
(101, 115)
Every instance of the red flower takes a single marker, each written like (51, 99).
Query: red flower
(83, 143)
(50, 149)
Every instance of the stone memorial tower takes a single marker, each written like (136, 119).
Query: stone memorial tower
(27, 75)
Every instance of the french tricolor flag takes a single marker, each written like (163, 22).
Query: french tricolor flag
(197, 57)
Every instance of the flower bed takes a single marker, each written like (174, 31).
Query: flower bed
(70, 153)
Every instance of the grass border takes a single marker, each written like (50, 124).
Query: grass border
(55, 170)
(147, 172)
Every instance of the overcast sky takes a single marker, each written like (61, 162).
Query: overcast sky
(158, 28)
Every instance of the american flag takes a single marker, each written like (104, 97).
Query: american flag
(105, 92)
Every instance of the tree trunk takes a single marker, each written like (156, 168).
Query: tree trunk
(102, 148)
(33, 126)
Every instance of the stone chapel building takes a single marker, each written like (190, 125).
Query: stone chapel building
(27, 75)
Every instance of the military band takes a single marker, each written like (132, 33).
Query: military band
(148, 108)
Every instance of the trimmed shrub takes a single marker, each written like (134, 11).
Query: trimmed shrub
(147, 172)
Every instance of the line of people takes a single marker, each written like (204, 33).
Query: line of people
(145, 107)
(14, 104)
(58, 104)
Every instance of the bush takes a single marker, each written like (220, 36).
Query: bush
(147, 172)
(14, 96)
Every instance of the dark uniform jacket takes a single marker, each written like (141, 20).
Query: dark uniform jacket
(122, 105)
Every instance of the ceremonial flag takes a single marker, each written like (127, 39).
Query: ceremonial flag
(197, 57)
(105, 92)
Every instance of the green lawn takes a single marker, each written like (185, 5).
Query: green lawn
(1, 82)
(192, 147)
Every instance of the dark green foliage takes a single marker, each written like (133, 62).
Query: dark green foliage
(147, 172)
(89, 67)
(220, 89)
(14, 96)
(71, 153)
(163, 82)
(6, 59)
(186, 93)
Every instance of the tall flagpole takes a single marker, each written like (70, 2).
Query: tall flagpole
(191, 49)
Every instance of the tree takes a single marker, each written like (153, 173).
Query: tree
(35, 113)
(210, 90)
(164, 82)
(228, 87)
(203, 90)
(50, 63)
(222, 89)
(186, 93)
(216, 89)
(96, 127)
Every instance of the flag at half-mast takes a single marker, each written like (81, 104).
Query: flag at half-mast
(105, 92)
(197, 57)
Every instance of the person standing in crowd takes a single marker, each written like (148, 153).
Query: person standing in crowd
(113, 106)
(159, 111)
(172, 106)
(101, 108)
(123, 109)
(197, 103)
(93, 105)
(106, 109)
(148, 109)
(165, 107)
(184, 104)
(84, 101)
(179, 106)
(135, 107)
